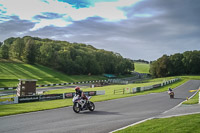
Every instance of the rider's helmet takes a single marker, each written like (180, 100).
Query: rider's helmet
(170, 89)
(77, 88)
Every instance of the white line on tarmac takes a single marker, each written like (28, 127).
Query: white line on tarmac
(132, 124)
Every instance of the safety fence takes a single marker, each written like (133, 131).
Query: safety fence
(127, 80)
(139, 89)
(23, 99)
(60, 84)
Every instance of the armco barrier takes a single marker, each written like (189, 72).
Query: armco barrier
(156, 85)
(146, 88)
(100, 92)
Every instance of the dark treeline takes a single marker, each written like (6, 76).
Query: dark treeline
(70, 58)
(141, 61)
(177, 64)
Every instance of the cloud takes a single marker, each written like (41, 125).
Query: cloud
(37, 10)
(79, 3)
(144, 29)
(48, 15)
(14, 27)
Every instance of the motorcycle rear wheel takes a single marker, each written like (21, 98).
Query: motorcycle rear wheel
(76, 108)
(172, 95)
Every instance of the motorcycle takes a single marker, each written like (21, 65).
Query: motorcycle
(81, 104)
(171, 94)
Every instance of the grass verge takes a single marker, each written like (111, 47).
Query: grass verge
(180, 124)
(193, 100)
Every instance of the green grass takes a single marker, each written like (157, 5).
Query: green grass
(33, 106)
(11, 72)
(181, 124)
(193, 100)
(142, 67)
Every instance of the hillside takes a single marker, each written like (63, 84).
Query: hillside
(10, 73)
(69, 58)
(141, 67)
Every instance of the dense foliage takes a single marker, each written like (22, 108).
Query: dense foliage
(142, 61)
(177, 64)
(71, 58)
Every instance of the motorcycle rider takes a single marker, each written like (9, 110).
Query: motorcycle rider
(171, 93)
(81, 94)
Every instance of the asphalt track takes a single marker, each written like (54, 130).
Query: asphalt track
(108, 115)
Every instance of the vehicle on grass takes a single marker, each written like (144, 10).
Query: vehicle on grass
(81, 104)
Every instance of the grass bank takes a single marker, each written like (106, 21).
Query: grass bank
(181, 124)
(141, 67)
(10, 73)
(193, 100)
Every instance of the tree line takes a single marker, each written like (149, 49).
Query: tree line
(70, 58)
(141, 61)
(177, 64)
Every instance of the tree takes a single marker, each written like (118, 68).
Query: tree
(160, 68)
(177, 67)
(153, 69)
(29, 52)
(47, 53)
(4, 51)
(17, 48)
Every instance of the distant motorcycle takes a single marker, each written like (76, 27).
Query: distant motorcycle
(81, 105)
(171, 94)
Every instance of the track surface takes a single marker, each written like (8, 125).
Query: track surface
(108, 115)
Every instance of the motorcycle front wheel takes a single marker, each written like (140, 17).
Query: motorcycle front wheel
(76, 108)
(91, 106)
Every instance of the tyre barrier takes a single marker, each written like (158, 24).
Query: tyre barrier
(82, 82)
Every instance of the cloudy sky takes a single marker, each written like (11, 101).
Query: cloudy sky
(137, 29)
